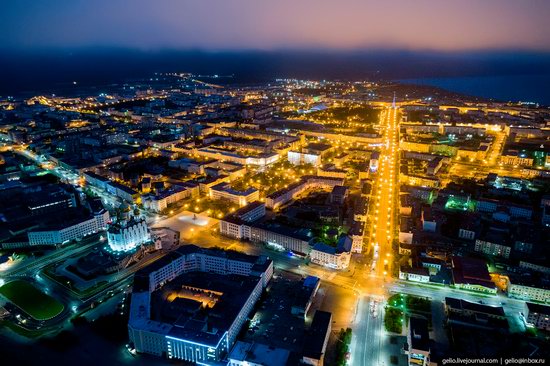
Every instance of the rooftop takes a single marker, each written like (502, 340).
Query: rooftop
(209, 325)
(419, 335)
(471, 271)
(320, 325)
(259, 354)
(538, 308)
(459, 304)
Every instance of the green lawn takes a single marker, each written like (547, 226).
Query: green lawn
(410, 303)
(31, 300)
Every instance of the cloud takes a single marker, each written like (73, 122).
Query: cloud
(277, 24)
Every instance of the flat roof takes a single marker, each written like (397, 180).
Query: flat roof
(460, 304)
(210, 326)
(471, 271)
(419, 334)
(538, 308)
(317, 333)
(258, 353)
(96, 176)
(123, 188)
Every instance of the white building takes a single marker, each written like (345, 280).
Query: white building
(242, 198)
(538, 315)
(280, 197)
(176, 193)
(237, 224)
(299, 158)
(165, 238)
(67, 232)
(128, 235)
(420, 274)
(226, 155)
(328, 256)
(357, 235)
(528, 291)
(494, 249)
(281, 237)
(194, 340)
(121, 191)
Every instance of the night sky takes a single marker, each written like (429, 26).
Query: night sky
(443, 25)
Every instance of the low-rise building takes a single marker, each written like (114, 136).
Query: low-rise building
(471, 314)
(472, 274)
(339, 194)
(417, 180)
(493, 249)
(318, 335)
(295, 240)
(125, 193)
(298, 158)
(542, 266)
(304, 299)
(332, 257)
(159, 201)
(418, 342)
(64, 232)
(414, 274)
(538, 315)
(165, 238)
(96, 180)
(331, 171)
(357, 233)
(285, 195)
(429, 222)
(257, 354)
(237, 224)
(244, 224)
(527, 288)
(361, 209)
(242, 198)
(262, 159)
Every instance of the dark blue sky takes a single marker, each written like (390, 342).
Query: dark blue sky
(447, 25)
(48, 44)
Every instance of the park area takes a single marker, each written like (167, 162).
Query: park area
(32, 301)
(400, 307)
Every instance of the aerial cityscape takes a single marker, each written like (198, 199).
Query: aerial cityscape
(280, 197)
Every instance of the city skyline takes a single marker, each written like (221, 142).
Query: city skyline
(275, 183)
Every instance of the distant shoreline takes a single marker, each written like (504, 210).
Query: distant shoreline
(513, 88)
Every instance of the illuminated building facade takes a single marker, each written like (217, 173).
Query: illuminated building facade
(202, 299)
(242, 198)
(126, 236)
(75, 231)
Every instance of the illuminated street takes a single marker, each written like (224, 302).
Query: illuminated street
(274, 192)
(369, 333)
(385, 191)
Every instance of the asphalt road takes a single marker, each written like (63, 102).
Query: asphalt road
(368, 334)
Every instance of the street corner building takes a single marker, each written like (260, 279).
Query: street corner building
(192, 304)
